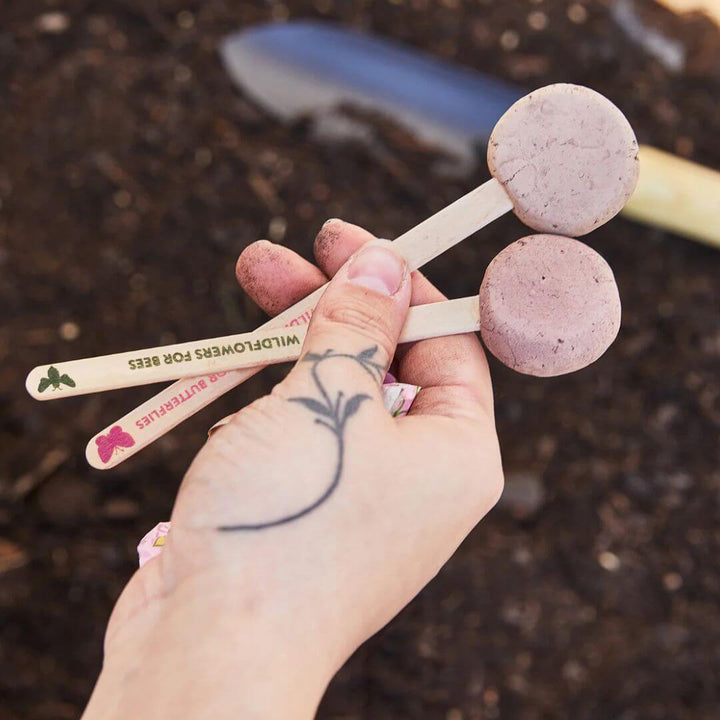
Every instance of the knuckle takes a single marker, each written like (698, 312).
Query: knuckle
(364, 318)
(251, 428)
(261, 415)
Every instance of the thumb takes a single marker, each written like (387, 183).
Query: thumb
(355, 327)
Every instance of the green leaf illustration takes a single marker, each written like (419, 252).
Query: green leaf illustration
(67, 380)
(55, 379)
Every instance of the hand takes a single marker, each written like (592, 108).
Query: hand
(313, 517)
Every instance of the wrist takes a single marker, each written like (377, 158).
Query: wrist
(212, 657)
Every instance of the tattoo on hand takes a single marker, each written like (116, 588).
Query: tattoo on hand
(332, 414)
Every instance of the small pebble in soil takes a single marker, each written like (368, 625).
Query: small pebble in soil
(577, 13)
(672, 581)
(523, 495)
(517, 683)
(69, 331)
(522, 556)
(52, 23)
(185, 20)
(509, 40)
(182, 74)
(609, 561)
(117, 41)
(277, 229)
(12, 556)
(122, 199)
(121, 509)
(537, 20)
(573, 671)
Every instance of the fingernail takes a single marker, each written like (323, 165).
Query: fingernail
(331, 221)
(378, 269)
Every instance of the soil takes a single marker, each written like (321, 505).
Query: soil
(132, 174)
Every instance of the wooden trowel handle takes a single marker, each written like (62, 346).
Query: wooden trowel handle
(677, 195)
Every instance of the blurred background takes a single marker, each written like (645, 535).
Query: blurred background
(132, 174)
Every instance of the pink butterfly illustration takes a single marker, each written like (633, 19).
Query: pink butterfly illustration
(117, 438)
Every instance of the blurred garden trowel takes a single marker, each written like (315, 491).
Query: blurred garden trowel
(306, 69)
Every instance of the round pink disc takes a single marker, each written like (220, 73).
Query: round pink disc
(549, 305)
(567, 158)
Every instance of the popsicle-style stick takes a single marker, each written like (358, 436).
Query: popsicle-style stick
(232, 352)
(678, 195)
(182, 399)
(542, 167)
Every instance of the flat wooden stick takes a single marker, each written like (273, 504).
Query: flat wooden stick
(182, 399)
(678, 195)
(232, 352)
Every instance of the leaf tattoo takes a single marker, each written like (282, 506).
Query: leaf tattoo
(313, 406)
(352, 406)
(331, 414)
(55, 379)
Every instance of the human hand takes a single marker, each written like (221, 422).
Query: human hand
(313, 517)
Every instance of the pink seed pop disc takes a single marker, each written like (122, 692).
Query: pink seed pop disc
(549, 305)
(567, 157)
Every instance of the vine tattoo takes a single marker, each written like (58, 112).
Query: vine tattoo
(332, 414)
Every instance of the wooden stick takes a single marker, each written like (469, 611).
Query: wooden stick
(232, 352)
(678, 195)
(182, 399)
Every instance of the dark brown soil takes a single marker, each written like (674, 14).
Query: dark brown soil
(131, 176)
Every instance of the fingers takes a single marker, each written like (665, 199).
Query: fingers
(358, 321)
(452, 371)
(275, 277)
(336, 242)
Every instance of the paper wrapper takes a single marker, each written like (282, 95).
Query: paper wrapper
(153, 543)
(398, 399)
